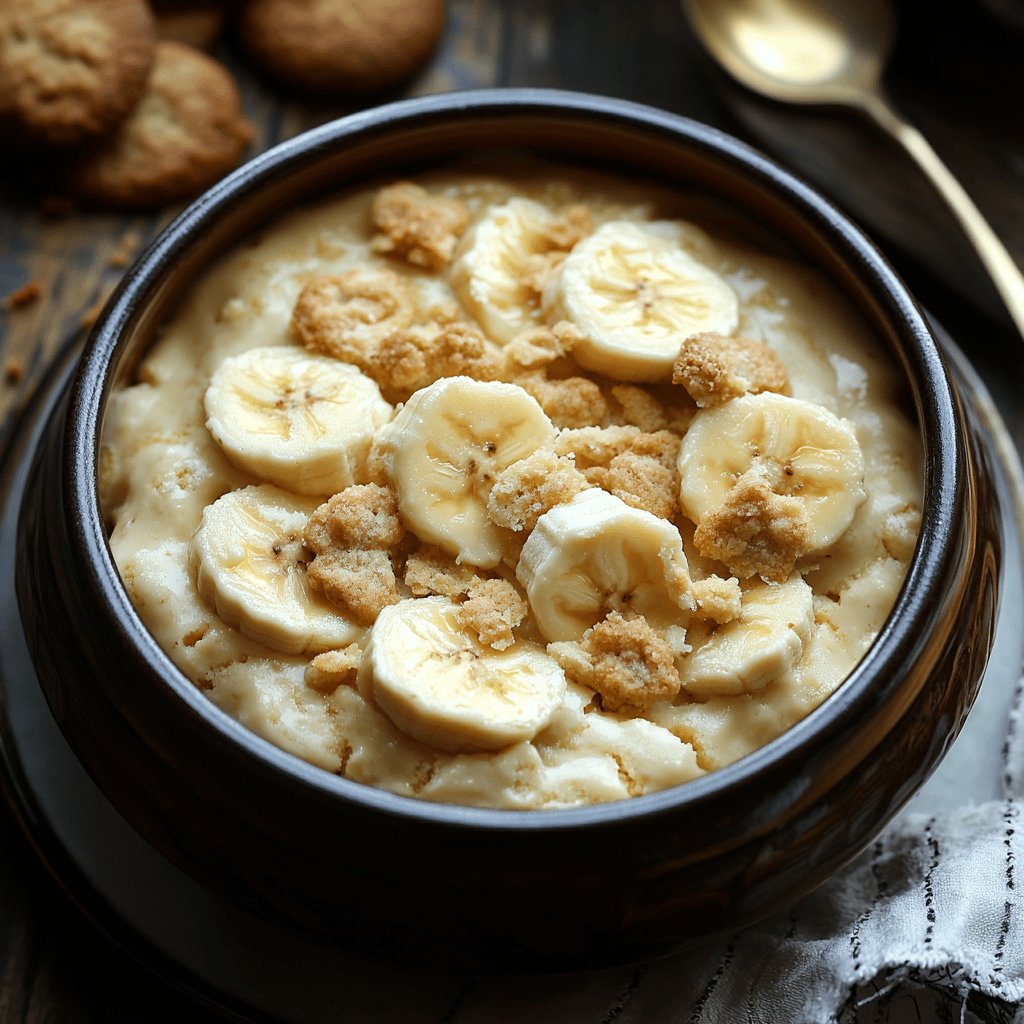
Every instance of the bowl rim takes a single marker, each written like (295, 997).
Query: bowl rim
(895, 643)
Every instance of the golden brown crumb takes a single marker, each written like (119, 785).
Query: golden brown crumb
(361, 583)
(624, 660)
(558, 236)
(411, 359)
(756, 532)
(643, 481)
(714, 368)
(537, 347)
(493, 609)
(717, 599)
(24, 296)
(597, 446)
(348, 315)
(640, 408)
(125, 250)
(527, 489)
(362, 516)
(14, 370)
(433, 571)
(416, 226)
(570, 403)
(327, 671)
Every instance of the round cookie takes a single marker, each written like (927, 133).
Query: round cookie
(334, 47)
(70, 70)
(186, 132)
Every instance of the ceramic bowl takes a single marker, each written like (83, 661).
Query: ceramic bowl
(485, 888)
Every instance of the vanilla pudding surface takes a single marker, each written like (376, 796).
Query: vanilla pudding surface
(679, 494)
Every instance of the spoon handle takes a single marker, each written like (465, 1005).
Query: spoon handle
(1005, 273)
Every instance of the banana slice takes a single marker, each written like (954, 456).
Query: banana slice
(305, 422)
(249, 562)
(597, 554)
(805, 451)
(492, 275)
(444, 449)
(635, 293)
(441, 686)
(764, 642)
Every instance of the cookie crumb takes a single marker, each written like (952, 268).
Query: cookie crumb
(125, 250)
(598, 446)
(24, 296)
(713, 368)
(350, 535)
(624, 660)
(327, 671)
(718, 599)
(492, 610)
(14, 371)
(571, 402)
(361, 516)
(537, 347)
(525, 490)
(348, 315)
(643, 481)
(433, 571)
(413, 225)
(756, 532)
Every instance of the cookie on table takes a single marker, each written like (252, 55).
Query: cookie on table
(70, 70)
(333, 47)
(187, 131)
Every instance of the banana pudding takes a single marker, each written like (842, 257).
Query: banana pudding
(522, 492)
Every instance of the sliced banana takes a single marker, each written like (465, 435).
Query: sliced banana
(764, 642)
(444, 688)
(805, 451)
(597, 554)
(304, 422)
(635, 294)
(444, 449)
(492, 275)
(249, 562)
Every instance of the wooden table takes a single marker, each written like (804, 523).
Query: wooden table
(955, 71)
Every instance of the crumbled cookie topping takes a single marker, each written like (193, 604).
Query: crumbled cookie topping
(756, 532)
(624, 660)
(714, 368)
(640, 408)
(527, 489)
(415, 357)
(492, 610)
(433, 571)
(643, 481)
(327, 671)
(598, 446)
(413, 225)
(350, 535)
(571, 402)
(537, 347)
(717, 599)
(348, 315)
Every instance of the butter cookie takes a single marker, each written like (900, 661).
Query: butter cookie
(71, 70)
(186, 132)
(334, 47)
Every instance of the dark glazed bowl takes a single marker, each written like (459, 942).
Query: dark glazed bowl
(467, 886)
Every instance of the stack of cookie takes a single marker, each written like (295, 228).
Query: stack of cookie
(121, 102)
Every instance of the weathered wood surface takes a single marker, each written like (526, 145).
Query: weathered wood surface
(956, 71)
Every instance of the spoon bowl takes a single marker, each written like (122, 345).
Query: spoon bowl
(833, 52)
(798, 51)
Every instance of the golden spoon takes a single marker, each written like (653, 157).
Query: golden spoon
(833, 52)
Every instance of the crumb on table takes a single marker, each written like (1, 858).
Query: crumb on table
(24, 296)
